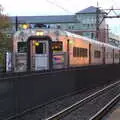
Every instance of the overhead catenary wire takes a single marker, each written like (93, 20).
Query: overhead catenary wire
(114, 2)
(59, 6)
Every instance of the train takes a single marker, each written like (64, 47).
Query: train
(44, 49)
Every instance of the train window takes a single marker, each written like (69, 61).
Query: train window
(22, 47)
(83, 52)
(97, 54)
(77, 52)
(116, 55)
(57, 46)
(109, 55)
(80, 52)
(41, 48)
(74, 52)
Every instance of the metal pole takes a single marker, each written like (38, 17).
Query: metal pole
(16, 23)
(4, 69)
(50, 55)
(28, 55)
(68, 55)
(97, 23)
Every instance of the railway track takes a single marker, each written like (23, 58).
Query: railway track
(97, 116)
(100, 114)
(65, 113)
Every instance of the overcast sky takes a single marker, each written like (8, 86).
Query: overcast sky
(52, 7)
(56, 7)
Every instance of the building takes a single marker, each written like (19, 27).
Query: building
(83, 22)
(114, 39)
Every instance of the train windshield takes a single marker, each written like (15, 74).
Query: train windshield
(40, 48)
(57, 46)
(22, 47)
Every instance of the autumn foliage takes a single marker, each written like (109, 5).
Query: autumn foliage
(4, 22)
(5, 41)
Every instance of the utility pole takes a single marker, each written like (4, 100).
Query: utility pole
(106, 15)
(16, 23)
(97, 23)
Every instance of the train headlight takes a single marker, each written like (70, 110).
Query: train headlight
(25, 26)
(37, 43)
(39, 33)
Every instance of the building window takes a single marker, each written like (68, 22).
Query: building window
(92, 35)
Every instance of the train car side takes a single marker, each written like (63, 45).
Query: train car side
(68, 50)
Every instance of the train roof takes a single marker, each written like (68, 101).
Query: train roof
(24, 34)
(92, 40)
(111, 46)
(84, 38)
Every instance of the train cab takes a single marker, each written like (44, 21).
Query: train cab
(45, 54)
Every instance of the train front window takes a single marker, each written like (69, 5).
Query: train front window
(57, 46)
(40, 48)
(22, 47)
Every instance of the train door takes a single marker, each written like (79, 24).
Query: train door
(113, 56)
(104, 57)
(41, 55)
(119, 56)
(90, 53)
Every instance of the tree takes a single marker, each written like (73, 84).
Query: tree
(5, 41)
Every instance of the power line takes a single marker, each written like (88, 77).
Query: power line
(114, 2)
(59, 6)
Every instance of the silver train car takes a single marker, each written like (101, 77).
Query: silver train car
(43, 49)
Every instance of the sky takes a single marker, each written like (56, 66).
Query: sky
(52, 7)
(58, 7)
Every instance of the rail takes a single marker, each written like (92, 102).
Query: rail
(75, 106)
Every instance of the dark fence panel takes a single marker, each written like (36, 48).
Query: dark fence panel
(20, 92)
(7, 98)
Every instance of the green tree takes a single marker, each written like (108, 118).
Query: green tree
(5, 41)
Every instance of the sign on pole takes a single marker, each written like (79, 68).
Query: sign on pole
(8, 62)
